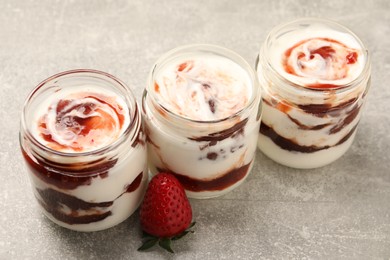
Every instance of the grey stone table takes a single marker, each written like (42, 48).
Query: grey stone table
(338, 211)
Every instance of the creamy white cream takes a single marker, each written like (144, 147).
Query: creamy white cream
(317, 54)
(204, 87)
(80, 119)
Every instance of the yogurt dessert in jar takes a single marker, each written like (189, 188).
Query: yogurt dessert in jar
(84, 148)
(315, 75)
(201, 116)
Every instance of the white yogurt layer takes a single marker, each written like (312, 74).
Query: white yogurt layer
(80, 119)
(317, 54)
(204, 87)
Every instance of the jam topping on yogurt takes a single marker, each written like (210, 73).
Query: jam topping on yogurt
(320, 58)
(81, 121)
(203, 87)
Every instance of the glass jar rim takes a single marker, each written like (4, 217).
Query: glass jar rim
(205, 48)
(338, 89)
(129, 97)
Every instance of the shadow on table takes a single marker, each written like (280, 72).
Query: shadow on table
(119, 242)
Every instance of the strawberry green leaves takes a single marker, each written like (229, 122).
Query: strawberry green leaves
(150, 241)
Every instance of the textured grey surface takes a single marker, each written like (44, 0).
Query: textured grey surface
(338, 211)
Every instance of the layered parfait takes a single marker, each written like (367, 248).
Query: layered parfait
(82, 140)
(315, 75)
(201, 118)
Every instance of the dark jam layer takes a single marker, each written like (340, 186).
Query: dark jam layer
(291, 145)
(217, 184)
(54, 201)
(212, 139)
(319, 111)
(233, 131)
(68, 176)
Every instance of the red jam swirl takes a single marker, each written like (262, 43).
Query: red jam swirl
(320, 58)
(81, 122)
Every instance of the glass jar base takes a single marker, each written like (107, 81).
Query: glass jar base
(213, 194)
(84, 227)
(300, 160)
(122, 209)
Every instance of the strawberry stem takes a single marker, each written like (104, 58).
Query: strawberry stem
(164, 242)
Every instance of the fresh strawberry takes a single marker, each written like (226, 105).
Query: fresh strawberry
(165, 213)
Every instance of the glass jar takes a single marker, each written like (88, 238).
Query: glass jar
(84, 177)
(315, 75)
(209, 154)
